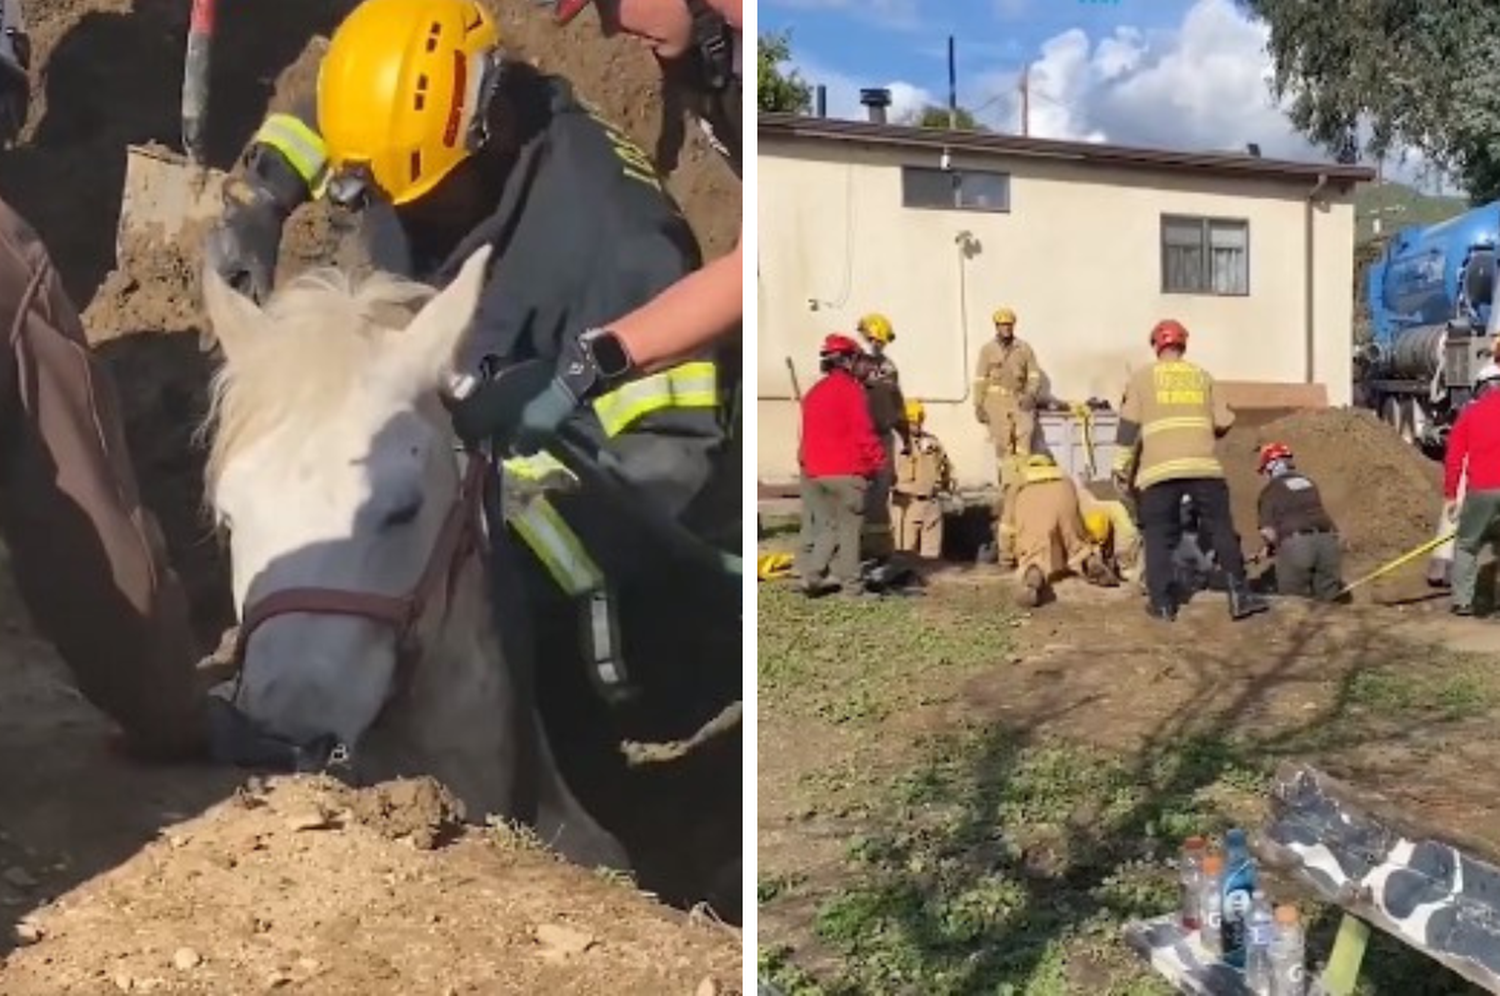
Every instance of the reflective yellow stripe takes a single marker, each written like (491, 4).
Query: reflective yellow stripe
(537, 468)
(1187, 467)
(691, 385)
(1183, 422)
(1041, 475)
(558, 547)
(302, 146)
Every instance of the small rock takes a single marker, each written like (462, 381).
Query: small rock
(308, 965)
(277, 979)
(312, 819)
(708, 987)
(563, 941)
(123, 982)
(28, 933)
(186, 959)
(18, 877)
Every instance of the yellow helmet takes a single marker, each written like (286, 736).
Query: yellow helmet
(1041, 460)
(399, 88)
(1097, 525)
(1003, 316)
(915, 411)
(878, 327)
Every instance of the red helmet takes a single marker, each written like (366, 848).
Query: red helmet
(1168, 333)
(1272, 452)
(839, 345)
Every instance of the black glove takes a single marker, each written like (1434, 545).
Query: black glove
(243, 246)
(492, 413)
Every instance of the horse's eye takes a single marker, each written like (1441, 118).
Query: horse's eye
(403, 516)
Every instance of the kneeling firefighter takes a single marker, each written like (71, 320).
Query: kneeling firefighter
(445, 144)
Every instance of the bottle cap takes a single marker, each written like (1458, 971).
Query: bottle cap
(1194, 843)
(1213, 863)
(1286, 914)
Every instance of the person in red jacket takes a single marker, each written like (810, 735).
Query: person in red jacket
(1474, 450)
(840, 455)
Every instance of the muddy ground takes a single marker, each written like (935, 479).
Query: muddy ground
(107, 73)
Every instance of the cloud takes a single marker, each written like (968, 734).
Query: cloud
(843, 92)
(1012, 10)
(1201, 84)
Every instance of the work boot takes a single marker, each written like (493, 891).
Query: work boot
(820, 587)
(1165, 611)
(1032, 585)
(1244, 603)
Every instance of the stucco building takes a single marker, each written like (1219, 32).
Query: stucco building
(1090, 244)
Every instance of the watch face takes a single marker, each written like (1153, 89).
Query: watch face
(609, 354)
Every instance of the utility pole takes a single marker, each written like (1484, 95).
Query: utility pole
(1026, 100)
(952, 87)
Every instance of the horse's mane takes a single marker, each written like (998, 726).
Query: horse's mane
(317, 340)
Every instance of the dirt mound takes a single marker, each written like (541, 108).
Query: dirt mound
(1382, 493)
(287, 889)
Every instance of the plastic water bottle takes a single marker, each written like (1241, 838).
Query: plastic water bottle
(1211, 900)
(1239, 886)
(1190, 877)
(1288, 972)
(1258, 946)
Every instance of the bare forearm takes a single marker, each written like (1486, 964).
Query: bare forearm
(701, 307)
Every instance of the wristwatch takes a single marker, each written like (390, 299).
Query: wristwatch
(601, 358)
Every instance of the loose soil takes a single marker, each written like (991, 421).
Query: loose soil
(344, 909)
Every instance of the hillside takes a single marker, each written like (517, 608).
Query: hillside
(1397, 206)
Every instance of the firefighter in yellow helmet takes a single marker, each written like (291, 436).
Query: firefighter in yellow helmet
(1052, 540)
(888, 409)
(444, 143)
(1007, 385)
(923, 476)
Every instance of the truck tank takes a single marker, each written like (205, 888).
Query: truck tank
(1419, 280)
(1417, 353)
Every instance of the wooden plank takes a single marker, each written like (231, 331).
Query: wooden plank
(1180, 957)
(1414, 881)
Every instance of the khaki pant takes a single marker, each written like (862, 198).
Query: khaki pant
(88, 558)
(1125, 538)
(1049, 530)
(1011, 429)
(833, 511)
(918, 525)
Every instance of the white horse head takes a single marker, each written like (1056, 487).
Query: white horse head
(333, 466)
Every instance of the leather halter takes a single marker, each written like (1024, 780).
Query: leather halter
(457, 540)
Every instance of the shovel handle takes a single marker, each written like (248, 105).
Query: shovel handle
(195, 78)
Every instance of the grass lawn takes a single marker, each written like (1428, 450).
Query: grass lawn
(913, 844)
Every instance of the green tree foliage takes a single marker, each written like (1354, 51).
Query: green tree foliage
(933, 116)
(775, 90)
(1420, 73)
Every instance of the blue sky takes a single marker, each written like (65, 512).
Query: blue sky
(1184, 74)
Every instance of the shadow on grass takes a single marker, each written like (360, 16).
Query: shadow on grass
(1007, 860)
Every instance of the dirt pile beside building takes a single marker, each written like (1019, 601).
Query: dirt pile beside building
(1382, 493)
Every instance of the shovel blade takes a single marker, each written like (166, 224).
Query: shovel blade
(164, 193)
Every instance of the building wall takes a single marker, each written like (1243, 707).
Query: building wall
(1077, 257)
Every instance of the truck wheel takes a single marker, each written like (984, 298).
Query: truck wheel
(1408, 426)
(1390, 412)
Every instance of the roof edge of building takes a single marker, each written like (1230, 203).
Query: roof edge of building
(809, 128)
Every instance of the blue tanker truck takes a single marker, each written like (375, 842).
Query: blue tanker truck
(1433, 319)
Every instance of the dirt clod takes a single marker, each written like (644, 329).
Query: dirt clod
(418, 810)
(186, 959)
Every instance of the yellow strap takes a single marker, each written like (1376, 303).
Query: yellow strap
(691, 385)
(558, 547)
(302, 147)
(1041, 475)
(1085, 416)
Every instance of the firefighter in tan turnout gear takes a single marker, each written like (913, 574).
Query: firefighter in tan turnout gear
(1052, 539)
(923, 474)
(1007, 382)
(1168, 424)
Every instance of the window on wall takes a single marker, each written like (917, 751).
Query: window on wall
(1205, 255)
(952, 189)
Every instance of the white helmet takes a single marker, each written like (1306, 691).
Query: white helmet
(1488, 374)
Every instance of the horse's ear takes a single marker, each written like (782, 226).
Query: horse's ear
(433, 339)
(232, 317)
